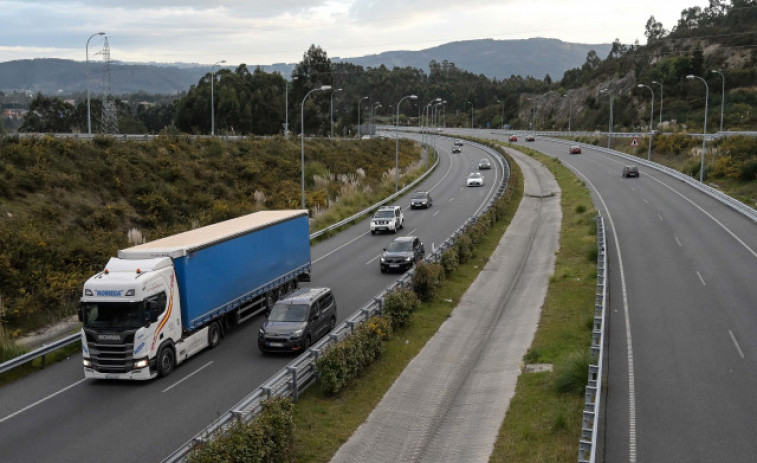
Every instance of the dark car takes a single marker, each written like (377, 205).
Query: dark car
(298, 320)
(421, 199)
(484, 164)
(458, 143)
(630, 171)
(575, 149)
(401, 254)
(456, 150)
(530, 138)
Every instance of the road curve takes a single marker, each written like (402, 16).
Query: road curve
(448, 404)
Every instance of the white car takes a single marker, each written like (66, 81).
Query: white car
(388, 218)
(475, 179)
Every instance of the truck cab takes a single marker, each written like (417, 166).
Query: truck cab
(129, 311)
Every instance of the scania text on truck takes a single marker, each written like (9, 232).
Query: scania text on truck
(160, 302)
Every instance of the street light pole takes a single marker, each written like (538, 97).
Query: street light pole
(655, 82)
(302, 136)
(651, 116)
(86, 51)
(612, 100)
(397, 143)
(722, 97)
(503, 113)
(570, 110)
(471, 114)
(372, 116)
(212, 102)
(331, 112)
(704, 131)
(359, 123)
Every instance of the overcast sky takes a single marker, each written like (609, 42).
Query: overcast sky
(275, 31)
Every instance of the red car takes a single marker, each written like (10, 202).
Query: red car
(575, 149)
(513, 138)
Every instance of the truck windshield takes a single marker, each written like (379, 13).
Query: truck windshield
(288, 313)
(122, 315)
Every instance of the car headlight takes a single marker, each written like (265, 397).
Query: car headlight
(408, 258)
(141, 363)
(297, 334)
(87, 362)
(383, 260)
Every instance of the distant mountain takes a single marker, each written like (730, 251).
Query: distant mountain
(493, 58)
(535, 57)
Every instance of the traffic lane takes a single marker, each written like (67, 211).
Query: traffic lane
(682, 314)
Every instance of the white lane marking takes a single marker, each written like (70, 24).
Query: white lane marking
(645, 201)
(435, 212)
(678, 241)
(736, 343)
(187, 377)
(629, 340)
(701, 279)
(451, 199)
(720, 224)
(373, 260)
(340, 247)
(42, 400)
(660, 217)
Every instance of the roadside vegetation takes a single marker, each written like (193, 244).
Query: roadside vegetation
(66, 206)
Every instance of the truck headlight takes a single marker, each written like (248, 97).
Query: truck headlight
(141, 363)
(87, 362)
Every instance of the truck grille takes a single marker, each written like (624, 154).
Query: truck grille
(111, 357)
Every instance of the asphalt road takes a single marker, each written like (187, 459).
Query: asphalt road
(682, 363)
(57, 416)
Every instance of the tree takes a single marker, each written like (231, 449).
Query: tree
(47, 115)
(654, 30)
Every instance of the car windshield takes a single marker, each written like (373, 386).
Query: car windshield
(123, 315)
(400, 246)
(474, 175)
(484, 161)
(288, 313)
(384, 214)
(419, 196)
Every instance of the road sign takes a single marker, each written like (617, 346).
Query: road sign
(635, 142)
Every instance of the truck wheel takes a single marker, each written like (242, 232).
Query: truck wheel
(214, 335)
(166, 361)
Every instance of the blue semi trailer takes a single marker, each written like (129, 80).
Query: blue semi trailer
(159, 303)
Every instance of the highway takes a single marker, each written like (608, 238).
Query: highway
(57, 416)
(682, 364)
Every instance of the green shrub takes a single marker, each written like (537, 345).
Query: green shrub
(346, 360)
(399, 306)
(450, 261)
(572, 372)
(426, 279)
(267, 438)
(748, 171)
(464, 247)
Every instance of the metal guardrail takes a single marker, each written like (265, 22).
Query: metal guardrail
(735, 204)
(299, 374)
(40, 352)
(48, 348)
(587, 445)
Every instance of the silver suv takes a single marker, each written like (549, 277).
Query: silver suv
(298, 320)
(388, 218)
